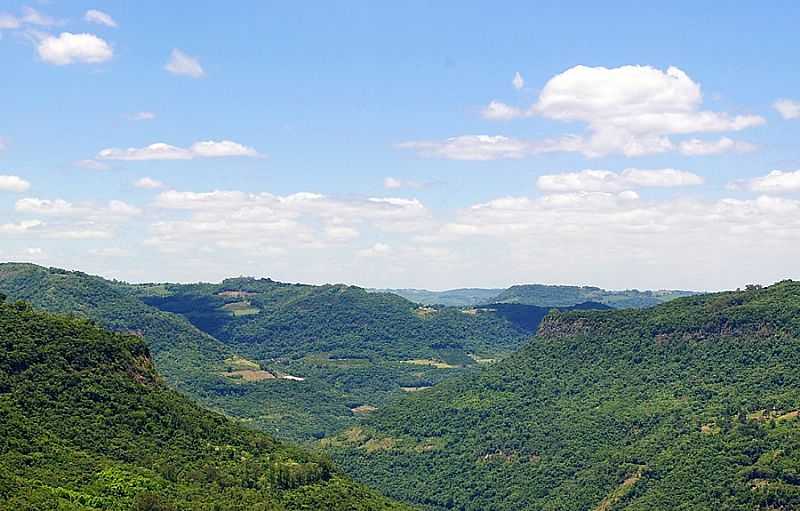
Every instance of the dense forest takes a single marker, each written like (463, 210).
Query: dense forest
(87, 424)
(689, 405)
(298, 361)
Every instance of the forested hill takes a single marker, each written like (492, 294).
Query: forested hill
(296, 360)
(86, 424)
(563, 296)
(186, 356)
(689, 405)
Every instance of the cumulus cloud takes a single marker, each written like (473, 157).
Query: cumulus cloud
(776, 182)
(114, 209)
(13, 184)
(21, 227)
(182, 64)
(34, 17)
(162, 151)
(608, 181)
(698, 147)
(92, 165)
(142, 116)
(376, 250)
(256, 221)
(148, 183)
(518, 82)
(788, 108)
(69, 48)
(9, 21)
(392, 183)
(100, 18)
(499, 111)
(628, 110)
(71, 221)
(489, 147)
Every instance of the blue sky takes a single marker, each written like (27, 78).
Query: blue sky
(386, 145)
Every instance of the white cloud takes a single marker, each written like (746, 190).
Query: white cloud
(499, 111)
(182, 64)
(376, 250)
(488, 147)
(340, 233)
(44, 206)
(109, 252)
(148, 183)
(788, 108)
(142, 116)
(114, 210)
(629, 110)
(70, 48)
(518, 82)
(33, 17)
(698, 147)
(256, 221)
(99, 17)
(92, 165)
(13, 184)
(21, 227)
(777, 181)
(608, 181)
(212, 149)
(161, 151)
(392, 183)
(9, 21)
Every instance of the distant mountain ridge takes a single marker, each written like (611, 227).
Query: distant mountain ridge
(542, 295)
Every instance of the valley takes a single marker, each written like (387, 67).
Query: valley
(499, 405)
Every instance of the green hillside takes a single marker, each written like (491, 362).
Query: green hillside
(87, 424)
(355, 350)
(563, 296)
(298, 361)
(186, 356)
(689, 405)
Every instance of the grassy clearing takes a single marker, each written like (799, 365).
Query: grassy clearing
(236, 294)
(237, 362)
(620, 491)
(415, 389)
(243, 308)
(363, 409)
(249, 375)
(424, 312)
(438, 364)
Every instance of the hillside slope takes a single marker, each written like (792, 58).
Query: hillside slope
(186, 356)
(690, 405)
(86, 424)
(355, 351)
(298, 361)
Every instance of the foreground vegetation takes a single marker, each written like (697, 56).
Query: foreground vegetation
(690, 405)
(87, 424)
